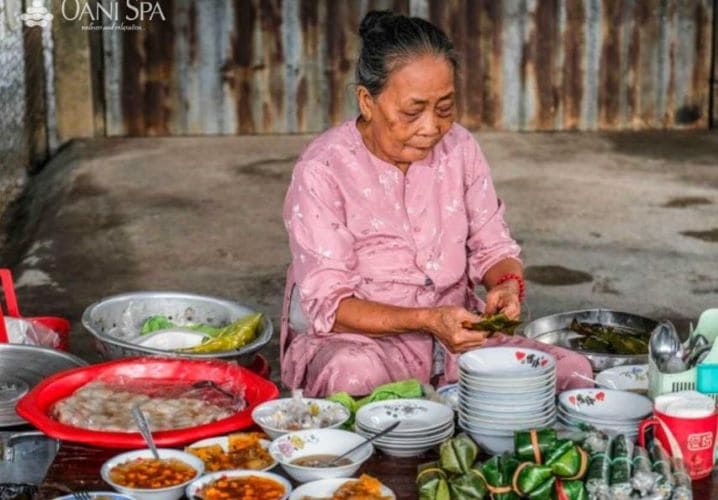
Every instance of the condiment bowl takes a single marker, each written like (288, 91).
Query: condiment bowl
(168, 493)
(290, 447)
(193, 490)
(264, 415)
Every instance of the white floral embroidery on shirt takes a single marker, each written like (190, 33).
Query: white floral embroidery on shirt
(376, 223)
(485, 184)
(453, 207)
(389, 180)
(432, 265)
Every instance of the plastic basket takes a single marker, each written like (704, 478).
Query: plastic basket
(59, 325)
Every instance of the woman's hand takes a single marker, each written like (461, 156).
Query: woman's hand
(504, 298)
(445, 323)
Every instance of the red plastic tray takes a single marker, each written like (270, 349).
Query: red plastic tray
(35, 406)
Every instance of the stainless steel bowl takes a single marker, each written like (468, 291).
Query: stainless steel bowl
(21, 368)
(114, 321)
(554, 330)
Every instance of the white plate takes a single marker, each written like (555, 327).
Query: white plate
(505, 399)
(223, 441)
(195, 486)
(504, 409)
(404, 453)
(496, 429)
(505, 423)
(601, 421)
(325, 488)
(415, 415)
(484, 414)
(606, 404)
(410, 443)
(518, 392)
(502, 362)
(625, 378)
(533, 380)
(407, 436)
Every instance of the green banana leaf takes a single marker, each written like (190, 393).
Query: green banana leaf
(458, 454)
(432, 483)
(496, 323)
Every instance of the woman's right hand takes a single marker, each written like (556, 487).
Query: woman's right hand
(446, 324)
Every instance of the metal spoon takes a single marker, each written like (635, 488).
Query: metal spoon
(144, 427)
(665, 341)
(361, 445)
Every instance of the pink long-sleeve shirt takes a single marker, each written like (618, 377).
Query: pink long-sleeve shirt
(360, 227)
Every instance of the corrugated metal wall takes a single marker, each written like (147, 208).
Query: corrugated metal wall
(273, 66)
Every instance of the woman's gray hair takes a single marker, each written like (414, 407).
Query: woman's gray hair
(389, 39)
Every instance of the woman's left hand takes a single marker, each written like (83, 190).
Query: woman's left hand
(504, 298)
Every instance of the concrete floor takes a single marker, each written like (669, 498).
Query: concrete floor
(623, 221)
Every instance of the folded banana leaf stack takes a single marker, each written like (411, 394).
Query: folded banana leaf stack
(495, 323)
(610, 339)
(542, 468)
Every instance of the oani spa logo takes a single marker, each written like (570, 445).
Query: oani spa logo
(134, 10)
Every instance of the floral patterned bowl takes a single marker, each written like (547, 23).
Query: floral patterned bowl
(290, 447)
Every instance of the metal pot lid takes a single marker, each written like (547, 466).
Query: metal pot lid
(21, 368)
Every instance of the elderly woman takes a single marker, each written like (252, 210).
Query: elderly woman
(393, 220)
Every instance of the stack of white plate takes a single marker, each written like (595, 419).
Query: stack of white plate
(424, 424)
(503, 390)
(612, 411)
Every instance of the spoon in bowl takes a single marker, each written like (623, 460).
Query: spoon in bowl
(361, 445)
(144, 427)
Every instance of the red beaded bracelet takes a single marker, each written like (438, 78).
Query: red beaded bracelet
(519, 280)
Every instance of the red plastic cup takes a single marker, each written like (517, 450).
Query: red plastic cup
(692, 439)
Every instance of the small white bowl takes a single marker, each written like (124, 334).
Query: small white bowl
(325, 488)
(192, 491)
(262, 414)
(506, 362)
(169, 493)
(285, 449)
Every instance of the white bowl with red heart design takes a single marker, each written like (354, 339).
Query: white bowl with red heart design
(506, 363)
(605, 404)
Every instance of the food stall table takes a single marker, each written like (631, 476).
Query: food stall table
(77, 468)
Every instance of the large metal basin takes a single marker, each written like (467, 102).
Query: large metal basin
(115, 321)
(554, 330)
(21, 368)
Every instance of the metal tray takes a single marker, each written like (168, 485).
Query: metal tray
(102, 318)
(554, 330)
(21, 368)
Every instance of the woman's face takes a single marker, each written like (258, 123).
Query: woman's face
(413, 111)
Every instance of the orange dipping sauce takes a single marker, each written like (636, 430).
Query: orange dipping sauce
(150, 473)
(242, 488)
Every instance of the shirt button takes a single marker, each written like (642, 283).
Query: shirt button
(428, 282)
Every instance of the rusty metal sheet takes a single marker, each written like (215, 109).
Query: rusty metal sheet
(284, 66)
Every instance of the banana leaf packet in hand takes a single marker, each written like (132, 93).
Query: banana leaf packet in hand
(495, 323)
(231, 337)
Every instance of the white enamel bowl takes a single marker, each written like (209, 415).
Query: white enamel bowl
(262, 414)
(325, 488)
(493, 445)
(625, 378)
(506, 362)
(605, 404)
(507, 382)
(196, 486)
(223, 441)
(169, 493)
(417, 416)
(289, 447)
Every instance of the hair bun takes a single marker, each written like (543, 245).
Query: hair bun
(373, 20)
